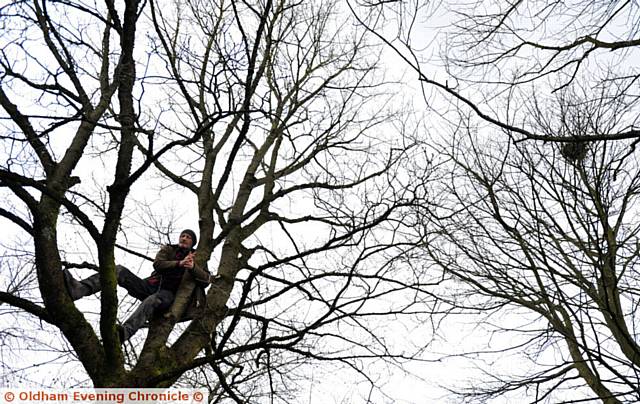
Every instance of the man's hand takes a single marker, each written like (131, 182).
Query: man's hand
(187, 262)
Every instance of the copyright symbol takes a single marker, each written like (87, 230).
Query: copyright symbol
(197, 396)
(9, 396)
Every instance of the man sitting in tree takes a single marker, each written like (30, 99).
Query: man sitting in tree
(156, 292)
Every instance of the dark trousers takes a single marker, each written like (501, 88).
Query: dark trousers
(153, 298)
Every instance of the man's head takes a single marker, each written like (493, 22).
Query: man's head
(187, 239)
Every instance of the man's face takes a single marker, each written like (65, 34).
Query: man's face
(185, 241)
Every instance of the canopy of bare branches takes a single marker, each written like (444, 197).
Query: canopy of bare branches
(350, 234)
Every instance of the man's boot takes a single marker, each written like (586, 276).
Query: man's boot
(78, 289)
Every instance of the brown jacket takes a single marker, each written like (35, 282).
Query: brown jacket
(168, 273)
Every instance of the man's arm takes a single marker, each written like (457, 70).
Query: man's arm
(200, 275)
(165, 261)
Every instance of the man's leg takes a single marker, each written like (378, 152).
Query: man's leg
(136, 287)
(162, 299)
(78, 289)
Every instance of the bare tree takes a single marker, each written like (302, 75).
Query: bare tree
(269, 117)
(544, 239)
(307, 103)
(534, 229)
(57, 92)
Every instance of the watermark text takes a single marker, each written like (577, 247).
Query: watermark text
(103, 396)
